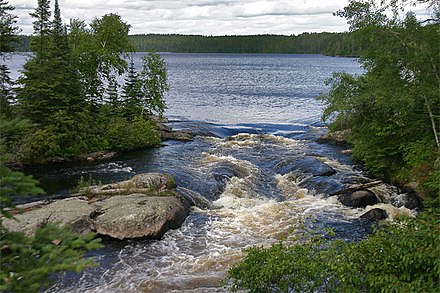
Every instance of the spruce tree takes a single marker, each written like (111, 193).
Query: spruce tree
(50, 82)
(8, 32)
(42, 26)
(132, 92)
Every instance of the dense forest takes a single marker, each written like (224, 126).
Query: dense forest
(391, 116)
(336, 44)
(333, 44)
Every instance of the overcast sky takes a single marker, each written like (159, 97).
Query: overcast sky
(206, 17)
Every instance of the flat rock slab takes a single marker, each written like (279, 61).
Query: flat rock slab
(75, 213)
(137, 215)
(147, 206)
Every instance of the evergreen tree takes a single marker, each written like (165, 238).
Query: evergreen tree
(42, 26)
(8, 28)
(50, 82)
(132, 92)
(5, 92)
(8, 32)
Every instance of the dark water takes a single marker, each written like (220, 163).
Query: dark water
(251, 114)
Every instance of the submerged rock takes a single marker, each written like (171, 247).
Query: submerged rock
(322, 185)
(306, 165)
(147, 206)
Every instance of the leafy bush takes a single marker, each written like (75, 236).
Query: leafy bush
(27, 262)
(123, 135)
(402, 257)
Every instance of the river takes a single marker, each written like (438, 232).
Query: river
(252, 114)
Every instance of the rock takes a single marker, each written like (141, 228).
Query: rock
(195, 198)
(147, 183)
(375, 215)
(176, 135)
(306, 165)
(358, 199)
(336, 137)
(322, 185)
(147, 205)
(75, 213)
(226, 170)
(104, 155)
(167, 133)
(137, 215)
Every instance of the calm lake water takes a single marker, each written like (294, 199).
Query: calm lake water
(252, 114)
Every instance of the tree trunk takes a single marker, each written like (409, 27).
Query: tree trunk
(431, 116)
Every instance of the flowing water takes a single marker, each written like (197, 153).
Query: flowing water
(252, 115)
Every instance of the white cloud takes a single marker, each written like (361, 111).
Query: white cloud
(208, 17)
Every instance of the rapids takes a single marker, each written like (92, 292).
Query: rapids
(252, 115)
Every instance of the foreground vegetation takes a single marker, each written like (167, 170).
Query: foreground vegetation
(392, 115)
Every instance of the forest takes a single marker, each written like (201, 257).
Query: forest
(332, 44)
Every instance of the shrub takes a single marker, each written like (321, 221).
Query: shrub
(402, 257)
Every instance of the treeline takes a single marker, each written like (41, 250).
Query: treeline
(332, 44)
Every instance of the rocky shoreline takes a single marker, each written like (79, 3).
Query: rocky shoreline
(149, 204)
(145, 206)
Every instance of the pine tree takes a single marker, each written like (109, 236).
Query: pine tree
(8, 32)
(42, 26)
(132, 92)
(50, 82)
(8, 28)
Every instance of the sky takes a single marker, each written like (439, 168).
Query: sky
(202, 17)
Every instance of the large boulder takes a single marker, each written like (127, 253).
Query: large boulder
(146, 205)
(359, 199)
(74, 213)
(137, 215)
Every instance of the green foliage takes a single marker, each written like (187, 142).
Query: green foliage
(124, 135)
(402, 257)
(27, 262)
(8, 27)
(14, 184)
(153, 81)
(392, 109)
(336, 44)
(68, 92)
